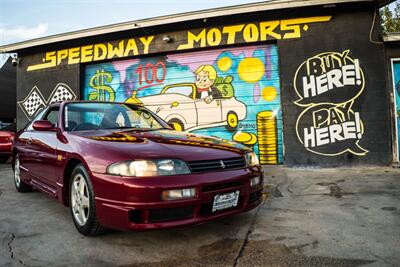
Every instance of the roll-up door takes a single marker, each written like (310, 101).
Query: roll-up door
(231, 93)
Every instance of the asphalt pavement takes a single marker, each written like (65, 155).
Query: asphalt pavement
(310, 217)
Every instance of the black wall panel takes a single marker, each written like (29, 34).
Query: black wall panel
(8, 93)
(349, 31)
(35, 90)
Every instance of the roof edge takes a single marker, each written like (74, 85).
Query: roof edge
(391, 37)
(175, 18)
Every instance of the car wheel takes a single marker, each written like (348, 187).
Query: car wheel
(177, 124)
(3, 159)
(20, 185)
(82, 203)
(232, 121)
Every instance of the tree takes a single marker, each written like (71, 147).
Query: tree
(391, 19)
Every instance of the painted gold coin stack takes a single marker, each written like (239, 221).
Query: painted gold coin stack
(267, 137)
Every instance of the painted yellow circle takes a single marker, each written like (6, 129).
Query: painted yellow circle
(242, 137)
(177, 126)
(245, 138)
(232, 120)
(224, 63)
(251, 69)
(269, 93)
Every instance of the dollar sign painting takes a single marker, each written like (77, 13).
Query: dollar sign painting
(103, 91)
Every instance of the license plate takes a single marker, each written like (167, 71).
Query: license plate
(225, 201)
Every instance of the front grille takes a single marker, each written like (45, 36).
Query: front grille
(171, 214)
(217, 165)
(135, 216)
(215, 187)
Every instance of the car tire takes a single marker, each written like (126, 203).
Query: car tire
(177, 125)
(20, 185)
(232, 121)
(82, 203)
(3, 159)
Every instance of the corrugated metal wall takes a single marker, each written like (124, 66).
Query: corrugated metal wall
(231, 93)
(396, 84)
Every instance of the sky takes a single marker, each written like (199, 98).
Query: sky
(28, 19)
(22, 20)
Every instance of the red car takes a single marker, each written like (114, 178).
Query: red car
(6, 139)
(120, 166)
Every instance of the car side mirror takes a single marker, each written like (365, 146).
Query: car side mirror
(43, 125)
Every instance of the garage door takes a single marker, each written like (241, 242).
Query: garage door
(231, 93)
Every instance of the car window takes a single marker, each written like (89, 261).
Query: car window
(52, 115)
(3, 125)
(10, 127)
(182, 90)
(94, 116)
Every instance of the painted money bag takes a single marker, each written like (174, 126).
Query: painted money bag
(224, 86)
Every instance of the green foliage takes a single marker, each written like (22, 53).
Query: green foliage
(391, 19)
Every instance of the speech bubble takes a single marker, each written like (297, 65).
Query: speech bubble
(329, 77)
(331, 130)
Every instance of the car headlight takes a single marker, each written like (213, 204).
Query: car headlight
(143, 168)
(251, 159)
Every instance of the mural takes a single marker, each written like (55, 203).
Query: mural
(396, 80)
(327, 85)
(232, 93)
(35, 100)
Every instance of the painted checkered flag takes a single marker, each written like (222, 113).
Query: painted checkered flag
(61, 92)
(32, 102)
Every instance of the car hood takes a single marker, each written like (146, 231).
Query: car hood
(162, 144)
(159, 102)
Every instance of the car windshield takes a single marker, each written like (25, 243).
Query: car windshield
(4, 126)
(96, 116)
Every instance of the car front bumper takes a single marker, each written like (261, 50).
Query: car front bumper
(5, 149)
(135, 203)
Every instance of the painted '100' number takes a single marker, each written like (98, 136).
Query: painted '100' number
(150, 73)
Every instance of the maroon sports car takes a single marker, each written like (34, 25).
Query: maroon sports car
(120, 166)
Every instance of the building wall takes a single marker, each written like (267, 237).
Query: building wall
(329, 99)
(336, 122)
(8, 80)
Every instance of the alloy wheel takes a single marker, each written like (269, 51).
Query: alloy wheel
(80, 199)
(17, 176)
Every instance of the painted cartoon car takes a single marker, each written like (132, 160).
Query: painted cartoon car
(179, 105)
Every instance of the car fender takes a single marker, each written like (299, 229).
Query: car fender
(232, 104)
(63, 184)
(176, 116)
(185, 112)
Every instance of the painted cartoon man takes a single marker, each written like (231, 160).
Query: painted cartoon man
(205, 79)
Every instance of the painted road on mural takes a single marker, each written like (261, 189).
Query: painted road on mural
(231, 93)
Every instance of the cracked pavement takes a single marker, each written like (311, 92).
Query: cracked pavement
(312, 217)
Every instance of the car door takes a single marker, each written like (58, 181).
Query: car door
(43, 153)
(24, 149)
(208, 113)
